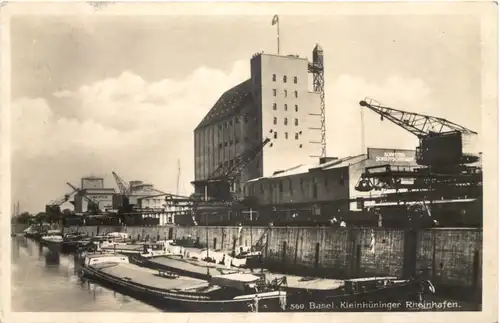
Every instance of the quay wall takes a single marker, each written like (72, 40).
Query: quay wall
(449, 256)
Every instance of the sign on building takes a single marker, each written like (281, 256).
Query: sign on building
(392, 156)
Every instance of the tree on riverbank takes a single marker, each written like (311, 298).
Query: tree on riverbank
(23, 218)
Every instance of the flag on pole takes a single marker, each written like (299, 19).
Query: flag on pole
(275, 19)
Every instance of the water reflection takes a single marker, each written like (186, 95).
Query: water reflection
(48, 280)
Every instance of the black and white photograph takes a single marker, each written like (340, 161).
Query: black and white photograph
(286, 158)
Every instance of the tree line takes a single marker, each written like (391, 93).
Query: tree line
(41, 217)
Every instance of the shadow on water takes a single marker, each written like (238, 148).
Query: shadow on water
(44, 279)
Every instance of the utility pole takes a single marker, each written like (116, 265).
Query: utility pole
(178, 175)
(251, 226)
(206, 230)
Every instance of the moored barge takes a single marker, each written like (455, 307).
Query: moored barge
(303, 290)
(237, 292)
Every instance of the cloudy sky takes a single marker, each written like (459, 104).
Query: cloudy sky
(93, 94)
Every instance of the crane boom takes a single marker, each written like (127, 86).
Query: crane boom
(91, 201)
(235, 166)
(122, 185)
(420, 125)
(63, 199)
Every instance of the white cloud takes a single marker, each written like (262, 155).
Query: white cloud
(126, 124)
(62, 94)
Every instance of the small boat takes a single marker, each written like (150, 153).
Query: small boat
(72, 241)
(373, 290)
(52, 237)
(235, 292)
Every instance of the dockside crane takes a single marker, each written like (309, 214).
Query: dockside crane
(444, 157)
(217, 191)
(442, 142)
(123, 186)
(93, 206)
(55, 206)
(220, 184)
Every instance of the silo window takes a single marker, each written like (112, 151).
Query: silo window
(220, 145)
(245, 118)
(274, 92)
(296, 122)
(296, 108)
(286, 135)
(274, 77)
(275, 120)
(225, 124)
(300, 146)
(296, 94)
(286, 93)
(286, 121)
(286, 107)
(281, 187)
(296, 136)
(236, 120)
(284, 79)
(275, 106)
(295, 79)
(275, 135)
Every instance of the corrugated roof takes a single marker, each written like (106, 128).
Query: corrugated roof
(229, 104)
(305, 168)
(348, 161)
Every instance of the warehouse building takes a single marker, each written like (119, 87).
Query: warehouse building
(275, 103)
(323, 189)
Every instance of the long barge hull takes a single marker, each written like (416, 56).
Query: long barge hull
(182, 301)
(397, 293)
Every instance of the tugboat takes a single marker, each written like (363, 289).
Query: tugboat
(236, 292)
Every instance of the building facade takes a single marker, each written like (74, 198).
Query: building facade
(274, 103)
(325, 188)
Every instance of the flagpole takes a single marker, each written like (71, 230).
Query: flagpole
(278, 35)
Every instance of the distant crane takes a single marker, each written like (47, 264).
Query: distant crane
(55, 206)
(125, 192)
(92, 206)
(123, 186)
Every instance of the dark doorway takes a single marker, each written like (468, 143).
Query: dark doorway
(410, 253)
(316, 256)
(284, 251)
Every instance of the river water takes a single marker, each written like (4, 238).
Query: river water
(45, 280)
